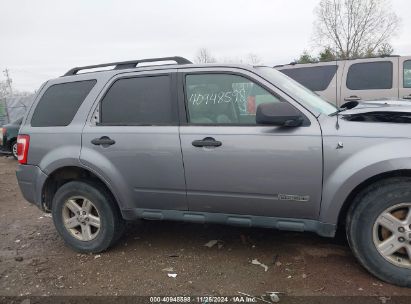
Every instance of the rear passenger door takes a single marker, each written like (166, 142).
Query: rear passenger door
(405, 77)
(366, 80)
(132, 140)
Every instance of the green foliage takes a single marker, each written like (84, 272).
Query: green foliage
(328, 54)
(306, 58)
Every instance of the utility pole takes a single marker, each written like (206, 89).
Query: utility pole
(8, 80)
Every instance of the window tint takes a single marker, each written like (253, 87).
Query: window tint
(316, 78)
(407, 74)
(370, 76)
(224, 99)
(60, 103)
(139, 100)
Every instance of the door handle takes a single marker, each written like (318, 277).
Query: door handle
(407, 97)
(352, 98)
(103, 141)
(207, 142)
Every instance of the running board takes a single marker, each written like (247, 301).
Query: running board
(288, 224)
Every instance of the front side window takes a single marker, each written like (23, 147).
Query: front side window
(139, 101)
(407, 74)
(316, 78)
(60, 103)
(224, 99)
(370, 76)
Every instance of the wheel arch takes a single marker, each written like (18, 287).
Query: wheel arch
(11, 141)
(63, 175)
(349, 201)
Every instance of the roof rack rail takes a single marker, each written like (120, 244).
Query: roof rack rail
(127, 64)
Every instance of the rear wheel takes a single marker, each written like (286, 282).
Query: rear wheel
(379, 230)
(14, 149)
(86, 217)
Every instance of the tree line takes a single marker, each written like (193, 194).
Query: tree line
(343, 29)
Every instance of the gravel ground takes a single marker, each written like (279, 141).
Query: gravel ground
(34, 260)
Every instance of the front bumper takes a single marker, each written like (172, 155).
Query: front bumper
(31, 180)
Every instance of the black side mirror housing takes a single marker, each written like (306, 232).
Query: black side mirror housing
(278, 114)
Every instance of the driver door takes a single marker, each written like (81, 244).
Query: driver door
(233, 165)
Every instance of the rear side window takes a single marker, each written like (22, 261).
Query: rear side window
(60, 103)
(407, 74)
(139, 101)
(316, 78)
(370, 76)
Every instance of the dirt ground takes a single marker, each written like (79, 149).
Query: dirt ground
(34, 260)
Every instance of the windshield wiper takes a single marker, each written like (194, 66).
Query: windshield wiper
(338, 111)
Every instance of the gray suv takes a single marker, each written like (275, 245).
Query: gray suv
(234, 144)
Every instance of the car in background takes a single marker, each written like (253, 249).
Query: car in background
(8, 137)
(362, 79)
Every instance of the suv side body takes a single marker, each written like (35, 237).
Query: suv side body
(356, 79)
(54, 149)
(187, 142)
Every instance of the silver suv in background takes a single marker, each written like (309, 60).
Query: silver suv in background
(233, 144)
(356, 79)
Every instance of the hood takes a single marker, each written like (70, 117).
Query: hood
(382, 110)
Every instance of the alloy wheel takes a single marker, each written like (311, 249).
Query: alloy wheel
(81, 218)
(392, 234)
(14, 150)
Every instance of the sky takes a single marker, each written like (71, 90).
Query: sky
(42, 39)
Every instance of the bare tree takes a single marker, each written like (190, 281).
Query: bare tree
(204, 56)
(4, 89)
(253, 59)
(354, 28)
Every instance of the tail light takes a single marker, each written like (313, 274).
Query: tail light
(23, 142)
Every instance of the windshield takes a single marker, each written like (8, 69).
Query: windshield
(300, 93)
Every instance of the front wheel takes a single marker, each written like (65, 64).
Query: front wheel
(379, 230)
(86, 217)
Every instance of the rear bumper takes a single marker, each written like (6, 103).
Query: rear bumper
(31, 180)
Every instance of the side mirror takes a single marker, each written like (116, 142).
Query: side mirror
(278, 114)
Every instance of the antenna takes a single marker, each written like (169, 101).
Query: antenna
(337, 124)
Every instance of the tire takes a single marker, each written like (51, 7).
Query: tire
(89, 235)
(13, 148)
(365, 228)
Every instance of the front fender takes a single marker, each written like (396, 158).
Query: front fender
(359, 160)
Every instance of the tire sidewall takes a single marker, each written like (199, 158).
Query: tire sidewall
(361, 232)
(103, 205)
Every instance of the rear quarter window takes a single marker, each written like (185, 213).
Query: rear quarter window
(316, 78)
(60, 103)
(370, 76)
